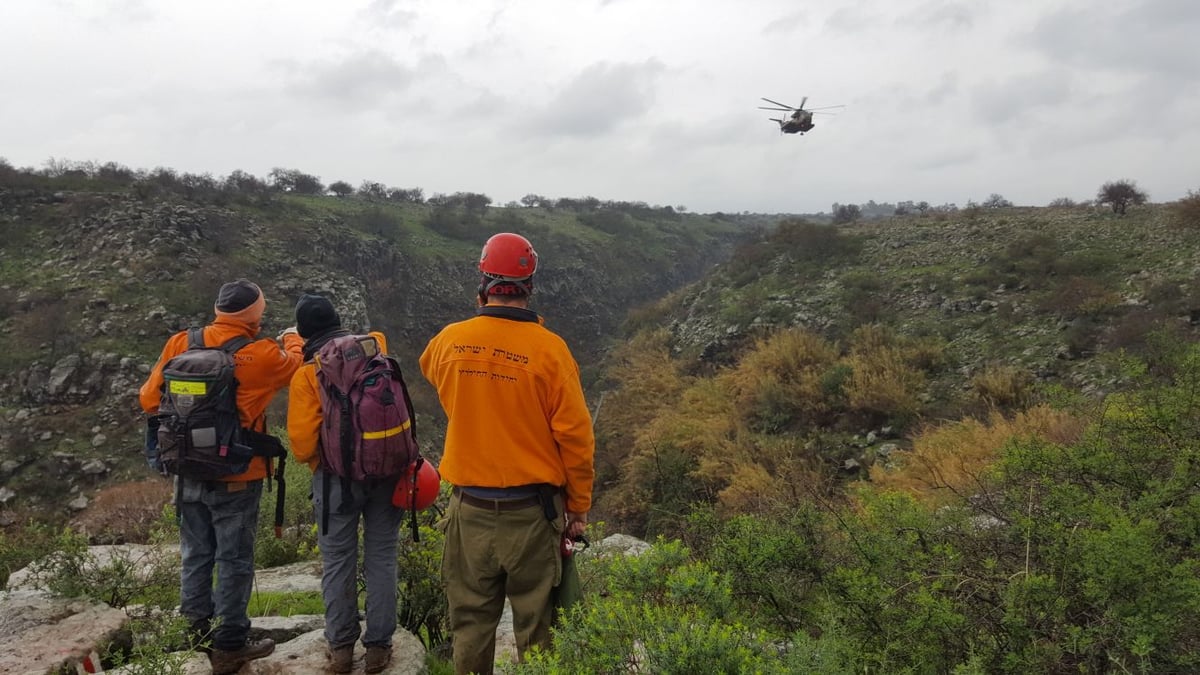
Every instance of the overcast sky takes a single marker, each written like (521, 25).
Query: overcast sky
(651, 100)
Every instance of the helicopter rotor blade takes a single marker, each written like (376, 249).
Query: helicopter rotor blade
(763, 107)
(802, 102)
(827, 107)
(783, 105)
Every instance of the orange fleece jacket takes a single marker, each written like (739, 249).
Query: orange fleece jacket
(261, 367)
(517, 414)
(304, 410)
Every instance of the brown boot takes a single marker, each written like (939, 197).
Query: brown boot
(378, 658)
(341, 660)
(228, 662)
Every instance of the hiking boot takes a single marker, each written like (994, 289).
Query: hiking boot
(229, 661)
(341, 660)
(378, 657)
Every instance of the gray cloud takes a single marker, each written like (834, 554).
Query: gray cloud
(362, 81)
(388, 14)
(942, 14)
(850, 20)
(1156, 36)
(785, 24)
(998, 103)
(601, 98)
(946, 88)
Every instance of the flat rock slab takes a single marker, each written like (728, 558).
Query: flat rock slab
(41, 634)
(297, 577)
(306, 654)
(143, 558)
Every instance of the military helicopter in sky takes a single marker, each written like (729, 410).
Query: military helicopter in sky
(801, 120)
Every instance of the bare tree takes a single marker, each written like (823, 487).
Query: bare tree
(1120, 195)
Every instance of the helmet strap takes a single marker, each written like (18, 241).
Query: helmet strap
(490, 286)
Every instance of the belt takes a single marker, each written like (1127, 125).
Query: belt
(498, 504)
(228, 485)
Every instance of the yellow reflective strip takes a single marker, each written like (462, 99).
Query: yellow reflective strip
(375, 435)
(185, 387)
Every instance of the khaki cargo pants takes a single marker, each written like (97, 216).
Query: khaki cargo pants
(490, 553)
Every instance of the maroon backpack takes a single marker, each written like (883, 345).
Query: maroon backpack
(367, 428)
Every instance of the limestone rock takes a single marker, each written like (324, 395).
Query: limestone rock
(301, 576)
(306, 654)
(40, 633)
(143, 557)
(284, 628)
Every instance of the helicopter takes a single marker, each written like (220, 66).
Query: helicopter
(801, 119)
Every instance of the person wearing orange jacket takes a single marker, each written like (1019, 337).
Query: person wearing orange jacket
(338, 513)
(519, 453)
(218, 519)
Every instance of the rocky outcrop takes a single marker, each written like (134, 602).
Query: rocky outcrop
(111, 275)
(306, 654)
(40, 633)
(67, 630)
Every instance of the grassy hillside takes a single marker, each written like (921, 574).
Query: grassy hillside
(821, 350)
(95, 274)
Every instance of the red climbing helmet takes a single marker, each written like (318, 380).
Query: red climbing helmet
(508, 257)
(418, 486)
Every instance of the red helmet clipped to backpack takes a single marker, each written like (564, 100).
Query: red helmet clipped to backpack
(509, 257)
(418, 486)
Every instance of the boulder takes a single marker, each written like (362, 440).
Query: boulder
(306, 654)
(144, 558)
(40, 633)
(301, 576)
(284, 628)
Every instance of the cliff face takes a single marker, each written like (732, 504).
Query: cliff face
(92, 283)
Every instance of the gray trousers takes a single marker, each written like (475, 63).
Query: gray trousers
(217, 525)
(372, 502)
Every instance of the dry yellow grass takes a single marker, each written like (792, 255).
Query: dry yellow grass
(124, 513)
(950, 460)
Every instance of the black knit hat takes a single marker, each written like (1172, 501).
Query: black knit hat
(237, 295)
(314, 313)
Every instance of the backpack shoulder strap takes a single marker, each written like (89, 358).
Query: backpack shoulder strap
(234, 344)
(195, 338)
(412, 413)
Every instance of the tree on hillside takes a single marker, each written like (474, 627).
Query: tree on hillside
(1062, 203)
(291, 180)
(996, 201)
(407, 195)
(532, 200)
(846, 213)
(1120, 195)
(373, 190)
(341, 188)
(244, 183)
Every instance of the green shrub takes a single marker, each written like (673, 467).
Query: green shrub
(774, 565)
(1186, 211)
(657, 613)
(153, 647)
(298, 538)
(70, 570)
(23, 545)
(422, 608)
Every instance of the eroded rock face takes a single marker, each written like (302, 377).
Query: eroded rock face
(42, 634)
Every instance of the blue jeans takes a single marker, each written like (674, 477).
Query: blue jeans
(217, 525)
(372, 501)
